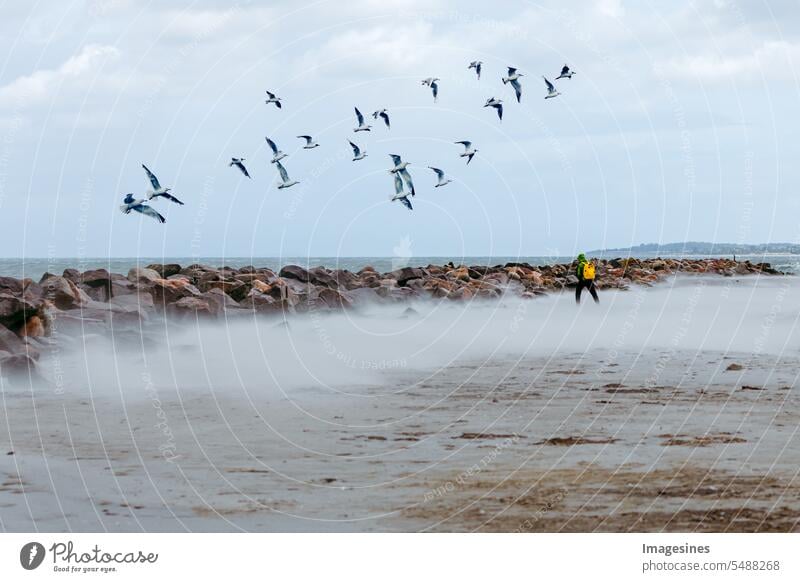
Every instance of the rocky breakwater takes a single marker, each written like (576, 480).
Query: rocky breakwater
(35, 315)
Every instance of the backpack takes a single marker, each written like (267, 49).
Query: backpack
(588, 271)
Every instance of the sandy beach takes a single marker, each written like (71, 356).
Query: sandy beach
(670, 408)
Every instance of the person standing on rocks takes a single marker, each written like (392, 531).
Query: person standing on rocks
(585, 273)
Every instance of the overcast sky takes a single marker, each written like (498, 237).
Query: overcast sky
(681, 124)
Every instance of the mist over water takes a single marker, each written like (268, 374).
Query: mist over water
(351, 351)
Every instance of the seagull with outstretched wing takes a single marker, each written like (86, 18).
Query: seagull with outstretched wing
(513, 78)
(361, 125)
(497, 104)
(277, 155)
(131, 204)
(383, 114)
(399, 194)
(158, 191)
(433, 83)
(442, 181)
(477, 66)
(358, 153)
(566, 73)
(272, 98)
(238, 162)
(400, 167)
(469, 151)
(551, 89)
(310, 143)
(286, 182)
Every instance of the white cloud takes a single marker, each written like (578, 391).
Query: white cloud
(771, 61)
(41, 84)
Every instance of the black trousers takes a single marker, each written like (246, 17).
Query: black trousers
(590, 286)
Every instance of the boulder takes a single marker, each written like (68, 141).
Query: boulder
(10, 285)
(165, 270)
(331, 299)
(295, 272)
(404, 275)
(168, 291)
(143, 275)
(219, 300)
(64, 293)
(198, 306)
(321, 277)
(14, 310)
(73, 275)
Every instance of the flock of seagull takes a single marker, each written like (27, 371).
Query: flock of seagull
(403, 183)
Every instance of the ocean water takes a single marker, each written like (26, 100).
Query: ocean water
(34, 268)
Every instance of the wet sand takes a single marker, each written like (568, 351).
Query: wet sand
(617, 437)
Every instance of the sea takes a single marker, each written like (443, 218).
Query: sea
(34, 268)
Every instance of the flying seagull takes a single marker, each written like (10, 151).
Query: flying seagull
(383, 114)
(277, 155)
(551, 89)
(477, 66)
(399, 194)
(158, 191)
(286, 182)
(357, 153)
(468, 150)
(440, 175)
(400, 167)
(141, 207)
(271, 98)
(432, 83)
(497, 104)
(361, 125)
(513, 78)
(238, 163)
(565, 73)
(310, 143)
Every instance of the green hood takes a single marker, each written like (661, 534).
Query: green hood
(582, 258)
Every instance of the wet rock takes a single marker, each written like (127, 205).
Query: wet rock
(165, 270)
(63, 293)
(331, 299)
(295, 272)
(10, 285)
(219, 300)
(142, 275)
(168, 291)
(404, 275)
(197, 306)
(14, 310)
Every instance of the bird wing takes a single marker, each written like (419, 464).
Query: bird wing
(466, 144)
(356, 149)
(406, 202)
(240, 165)
(282, 170)
(398, 184)
(517, 89)
(278, 105)
(499, 107)
(152, 177)
(435, 89)
(270, 95)
(469, 159)
(272, 145)
(478, 70)
(439, 172)
(128, 198)
(511, 71)
(396, 159)
(306, 137)
(171, 198)
(149, 211)
(564, 70)
(359, 116)
(550, 86)
(408, 181)
(385, 117)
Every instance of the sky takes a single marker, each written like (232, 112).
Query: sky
(680, 124)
